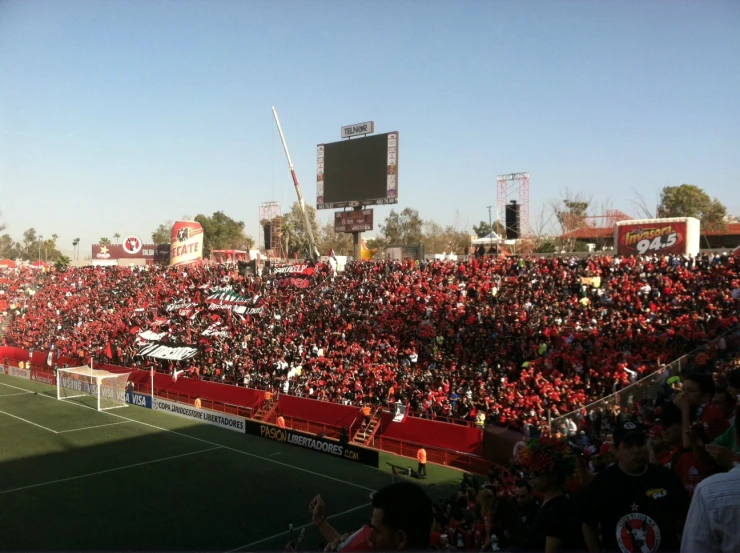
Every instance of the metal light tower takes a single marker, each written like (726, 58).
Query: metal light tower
(271, 216)
(514, 186)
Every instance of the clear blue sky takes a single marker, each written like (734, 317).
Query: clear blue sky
(118, 115)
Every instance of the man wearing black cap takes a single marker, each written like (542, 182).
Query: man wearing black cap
(634, 506)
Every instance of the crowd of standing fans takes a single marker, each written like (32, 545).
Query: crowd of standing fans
(508, 341)
(665, 478)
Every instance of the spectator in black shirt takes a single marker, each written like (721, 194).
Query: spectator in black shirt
(634, 506)
(551, 464)
(527, 503)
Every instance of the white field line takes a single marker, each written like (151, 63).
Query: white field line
(296, 528)
(91, 427)
(107, 471)
(18, 394)
(29, 422)
(286, 465)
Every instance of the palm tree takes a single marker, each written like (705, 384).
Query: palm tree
(62, 263)
(104, 241)
(116, 236)
(75, 245)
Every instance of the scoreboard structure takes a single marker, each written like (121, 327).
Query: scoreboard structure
(357, 172)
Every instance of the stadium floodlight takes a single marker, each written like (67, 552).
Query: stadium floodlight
(107, 387)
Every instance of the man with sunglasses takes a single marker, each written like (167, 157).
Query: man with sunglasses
(634, 506)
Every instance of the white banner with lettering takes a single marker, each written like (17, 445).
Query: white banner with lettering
(230, 422)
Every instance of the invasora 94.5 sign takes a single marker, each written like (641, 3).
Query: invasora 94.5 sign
(657, 236)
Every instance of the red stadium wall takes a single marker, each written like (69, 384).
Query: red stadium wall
(434, 433)
(417, 430)
(324, 412)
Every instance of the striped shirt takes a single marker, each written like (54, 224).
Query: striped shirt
(711, 526)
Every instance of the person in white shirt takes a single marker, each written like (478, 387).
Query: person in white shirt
(712, 522)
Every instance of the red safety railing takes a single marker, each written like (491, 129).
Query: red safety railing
(441, 418)
(312, 427)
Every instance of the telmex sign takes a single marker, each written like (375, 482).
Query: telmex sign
(360, 128)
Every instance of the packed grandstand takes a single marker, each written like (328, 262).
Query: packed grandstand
(507, 341)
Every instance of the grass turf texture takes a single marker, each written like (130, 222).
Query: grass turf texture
(77, 479)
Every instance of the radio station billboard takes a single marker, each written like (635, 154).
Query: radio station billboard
(353, 221)
(361, 171)
(676, 235)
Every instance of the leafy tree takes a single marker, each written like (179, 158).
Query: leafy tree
(546, 247)
(29, 239)
(403, 228)
(295, 237)
(116, 236)
(3, 226)
(49, 248)
(340, 242)
(62, 263)
(572, 215)
(444, 240)
(7, 247)
(104, 241)
(161, 234)
(484, 229)
(221, 232)
(689, 200)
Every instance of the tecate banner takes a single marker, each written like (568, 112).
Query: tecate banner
(186, 243)
(140, 400)
(315, 443)
(223, 420)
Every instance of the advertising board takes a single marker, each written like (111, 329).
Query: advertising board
(679, 235)
(20, 373)
(186, 243)
(140, 400)
(46, 378)
(368, 127)
(353, 221)
(229, 422)
(350, 452)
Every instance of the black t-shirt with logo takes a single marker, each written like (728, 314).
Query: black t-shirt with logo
(637, 514)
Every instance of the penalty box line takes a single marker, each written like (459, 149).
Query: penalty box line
(78, 477)
(241, 452)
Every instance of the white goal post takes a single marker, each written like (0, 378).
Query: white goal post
(108, 388)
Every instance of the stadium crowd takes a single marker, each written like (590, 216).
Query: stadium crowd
(662, 477)
(503, 340)
(509, 338)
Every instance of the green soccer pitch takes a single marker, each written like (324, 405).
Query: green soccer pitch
(78, 479)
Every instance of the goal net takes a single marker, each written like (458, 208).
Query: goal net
(108, 389)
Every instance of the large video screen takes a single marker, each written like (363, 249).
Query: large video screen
(362, 171)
